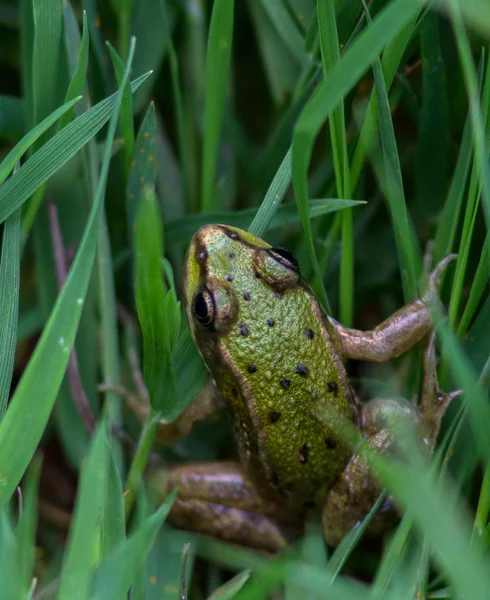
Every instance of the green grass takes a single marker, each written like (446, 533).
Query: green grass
(353, 134)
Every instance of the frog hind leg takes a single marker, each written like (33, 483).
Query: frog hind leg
(353, 495)
(219, 499)
(356, 491)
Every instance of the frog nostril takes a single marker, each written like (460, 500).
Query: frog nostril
(202, 254)
(332, 388)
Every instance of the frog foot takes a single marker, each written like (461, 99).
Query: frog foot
(433, 402)
(432, 293)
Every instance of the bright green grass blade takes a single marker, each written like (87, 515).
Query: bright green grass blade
(329, 46)
(142, 173)
(190, 371)
(83, 549)
(155, 315)
(14, 156)
(26, 529)
(231, 588)
(396, 195)
(356, 59)
(286, 28)
(127, 125)
(391, 557)
(12, 118)
(446, 528)
(181, 230)
(47, 37)
(31, 405)
(75, 46)
(113, 521)
(9, 582)
(9, 294)
(217, 81)
(275, 194)
(56, 153)
(392, 56)
(351, 540)
(117, 572)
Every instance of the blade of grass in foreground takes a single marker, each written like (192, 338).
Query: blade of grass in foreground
(355, 61)
(329, 46)
(14, 156)
(83, 549)
(56, 153)
(31, 405)
(117, 572)
(9, 294)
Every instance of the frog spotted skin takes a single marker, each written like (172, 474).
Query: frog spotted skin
(276, 359)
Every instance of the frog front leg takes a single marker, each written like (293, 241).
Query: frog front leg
(219, 499)
(356, 490)
(396, 334)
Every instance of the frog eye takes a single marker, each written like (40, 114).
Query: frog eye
(277, 267)
(203, 308)
(286, 258)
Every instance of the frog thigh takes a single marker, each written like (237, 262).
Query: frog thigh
(220, 500)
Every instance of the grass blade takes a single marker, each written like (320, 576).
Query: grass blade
(56, 153)
(25, 420)
(355, 61)
(9, 294)
(117, 571)
(217, 73)
(83, 549)
(14, 156)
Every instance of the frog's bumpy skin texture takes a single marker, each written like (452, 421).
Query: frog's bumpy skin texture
(277, 359)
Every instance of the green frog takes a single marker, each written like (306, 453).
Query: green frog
(276, 359)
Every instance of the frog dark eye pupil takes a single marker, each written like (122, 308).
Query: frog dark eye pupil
(202, 308)
(288, 257)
